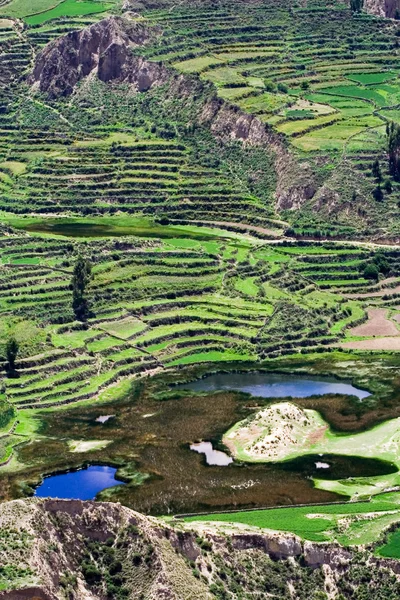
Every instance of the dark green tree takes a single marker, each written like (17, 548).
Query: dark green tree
(376, 171)
(388, 186)
(356, 5)
(393, 145)
(80, 280)
(371, 272)
(377, 193)
(12, 348)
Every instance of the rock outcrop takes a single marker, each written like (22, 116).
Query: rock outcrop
(382, 8)
(105, 49)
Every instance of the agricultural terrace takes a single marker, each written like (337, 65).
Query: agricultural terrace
(325, 80)
(317, 75)
(108, 149)
(174, 296)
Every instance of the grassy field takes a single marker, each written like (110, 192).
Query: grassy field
(68, 8)
(350, 524)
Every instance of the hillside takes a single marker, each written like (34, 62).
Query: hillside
(199, 299)
(76, 550)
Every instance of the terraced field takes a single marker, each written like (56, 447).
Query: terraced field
(286, 65)
(164, 303)
(196, 261)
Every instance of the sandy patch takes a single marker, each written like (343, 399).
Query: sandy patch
(6, 23)
(377, 324)
(274, 432)
(81, 446)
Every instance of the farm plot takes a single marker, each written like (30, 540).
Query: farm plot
(377, 325)
(350, 524)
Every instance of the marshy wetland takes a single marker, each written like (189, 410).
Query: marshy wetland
(149, 438)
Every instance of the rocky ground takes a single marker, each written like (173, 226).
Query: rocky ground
(57, 549)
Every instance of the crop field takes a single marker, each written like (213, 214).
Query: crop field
(46, 10)
(150, 308)
(349, 524)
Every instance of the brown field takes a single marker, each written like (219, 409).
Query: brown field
(377, 325)
(386, 343)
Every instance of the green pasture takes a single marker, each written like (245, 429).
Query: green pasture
(350, 524)
(68, 8)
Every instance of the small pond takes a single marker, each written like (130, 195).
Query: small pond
(83, 484)
(274, 385)
(104, 418)
(213, 457)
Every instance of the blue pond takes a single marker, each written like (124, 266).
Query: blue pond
(78, 485)
(274, 385)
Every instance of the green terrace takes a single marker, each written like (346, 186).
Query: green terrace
(321, 77)
(162, 303)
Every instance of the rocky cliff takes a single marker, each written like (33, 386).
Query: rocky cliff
(382, 8)
(104, 49)
(57, 549)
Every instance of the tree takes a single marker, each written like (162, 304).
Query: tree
(388, 186)
(356, 5)
(80, 279)
(371, 272)
(393, 144)
(12, 348)
(376, 171)
(377, 193)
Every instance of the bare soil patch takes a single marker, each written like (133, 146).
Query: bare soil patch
(377, 324)
(386, 343)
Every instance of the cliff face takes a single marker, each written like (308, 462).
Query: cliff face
(57, 549)
(104, 49)
(382, 8)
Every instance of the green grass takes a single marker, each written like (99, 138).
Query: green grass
(392, 547)
(214, 356)
(247, 286)
(372, 78)
(22, 8)
(68, 8)
(316, 523)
